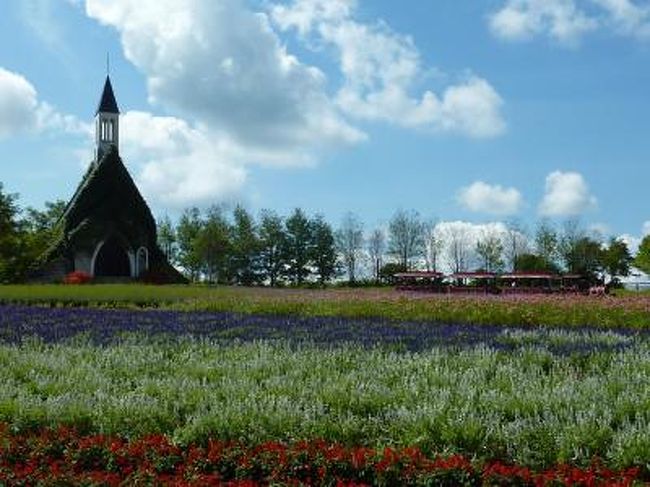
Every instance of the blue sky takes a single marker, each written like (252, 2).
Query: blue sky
(476, 111)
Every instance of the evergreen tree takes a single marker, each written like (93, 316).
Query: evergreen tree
(272, 244)
(245, 257)
(323, 250)
(298, 247)
(213, 246)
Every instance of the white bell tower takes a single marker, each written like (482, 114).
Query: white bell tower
(107, 120)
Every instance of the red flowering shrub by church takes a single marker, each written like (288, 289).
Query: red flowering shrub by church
(77, 277)
(63, 457)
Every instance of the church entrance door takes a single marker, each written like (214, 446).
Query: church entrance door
(112, 260)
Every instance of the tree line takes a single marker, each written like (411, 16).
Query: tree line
(296, 249)
(233, 246)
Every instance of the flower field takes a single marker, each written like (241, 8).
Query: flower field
(201, 391)
(625, 311)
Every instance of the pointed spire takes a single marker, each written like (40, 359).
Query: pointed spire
(107, 104)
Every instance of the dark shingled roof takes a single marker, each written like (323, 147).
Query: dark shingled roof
(107, 103)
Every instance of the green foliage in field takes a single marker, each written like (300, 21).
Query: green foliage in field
(630, 311)
(530, 406)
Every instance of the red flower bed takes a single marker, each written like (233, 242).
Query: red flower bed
(62, 457)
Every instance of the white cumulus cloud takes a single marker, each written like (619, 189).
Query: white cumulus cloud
(222, 64)
(21, 111)
(176, 160)
(567, 194)
(382, 70)
(481, 197)
(239, 97)
(18, 104)
(561, 20)
(567, 21)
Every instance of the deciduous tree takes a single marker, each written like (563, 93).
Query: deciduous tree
(349, 242)
(376, 249)
(616, 260)
(458, 247)
(547, 243)
(406, 236)
(489, 249)
(642, 259)
(515, 243)
(433, 245)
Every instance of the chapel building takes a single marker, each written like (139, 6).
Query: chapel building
(107, 229)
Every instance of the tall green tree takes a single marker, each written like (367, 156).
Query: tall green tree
(272, 244)
(187, 233)
(323, 250)
(585, 257)
(642, 259)
(533, 263)
(213, 246)
(298, 246)
(39, 230)
(245, 258)
(11, 262)
(616, 260)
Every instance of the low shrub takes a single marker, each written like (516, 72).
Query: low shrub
(77, 277)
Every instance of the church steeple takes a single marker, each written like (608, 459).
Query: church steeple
(106, 122)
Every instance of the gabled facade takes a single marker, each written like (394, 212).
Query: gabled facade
(107, 229)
